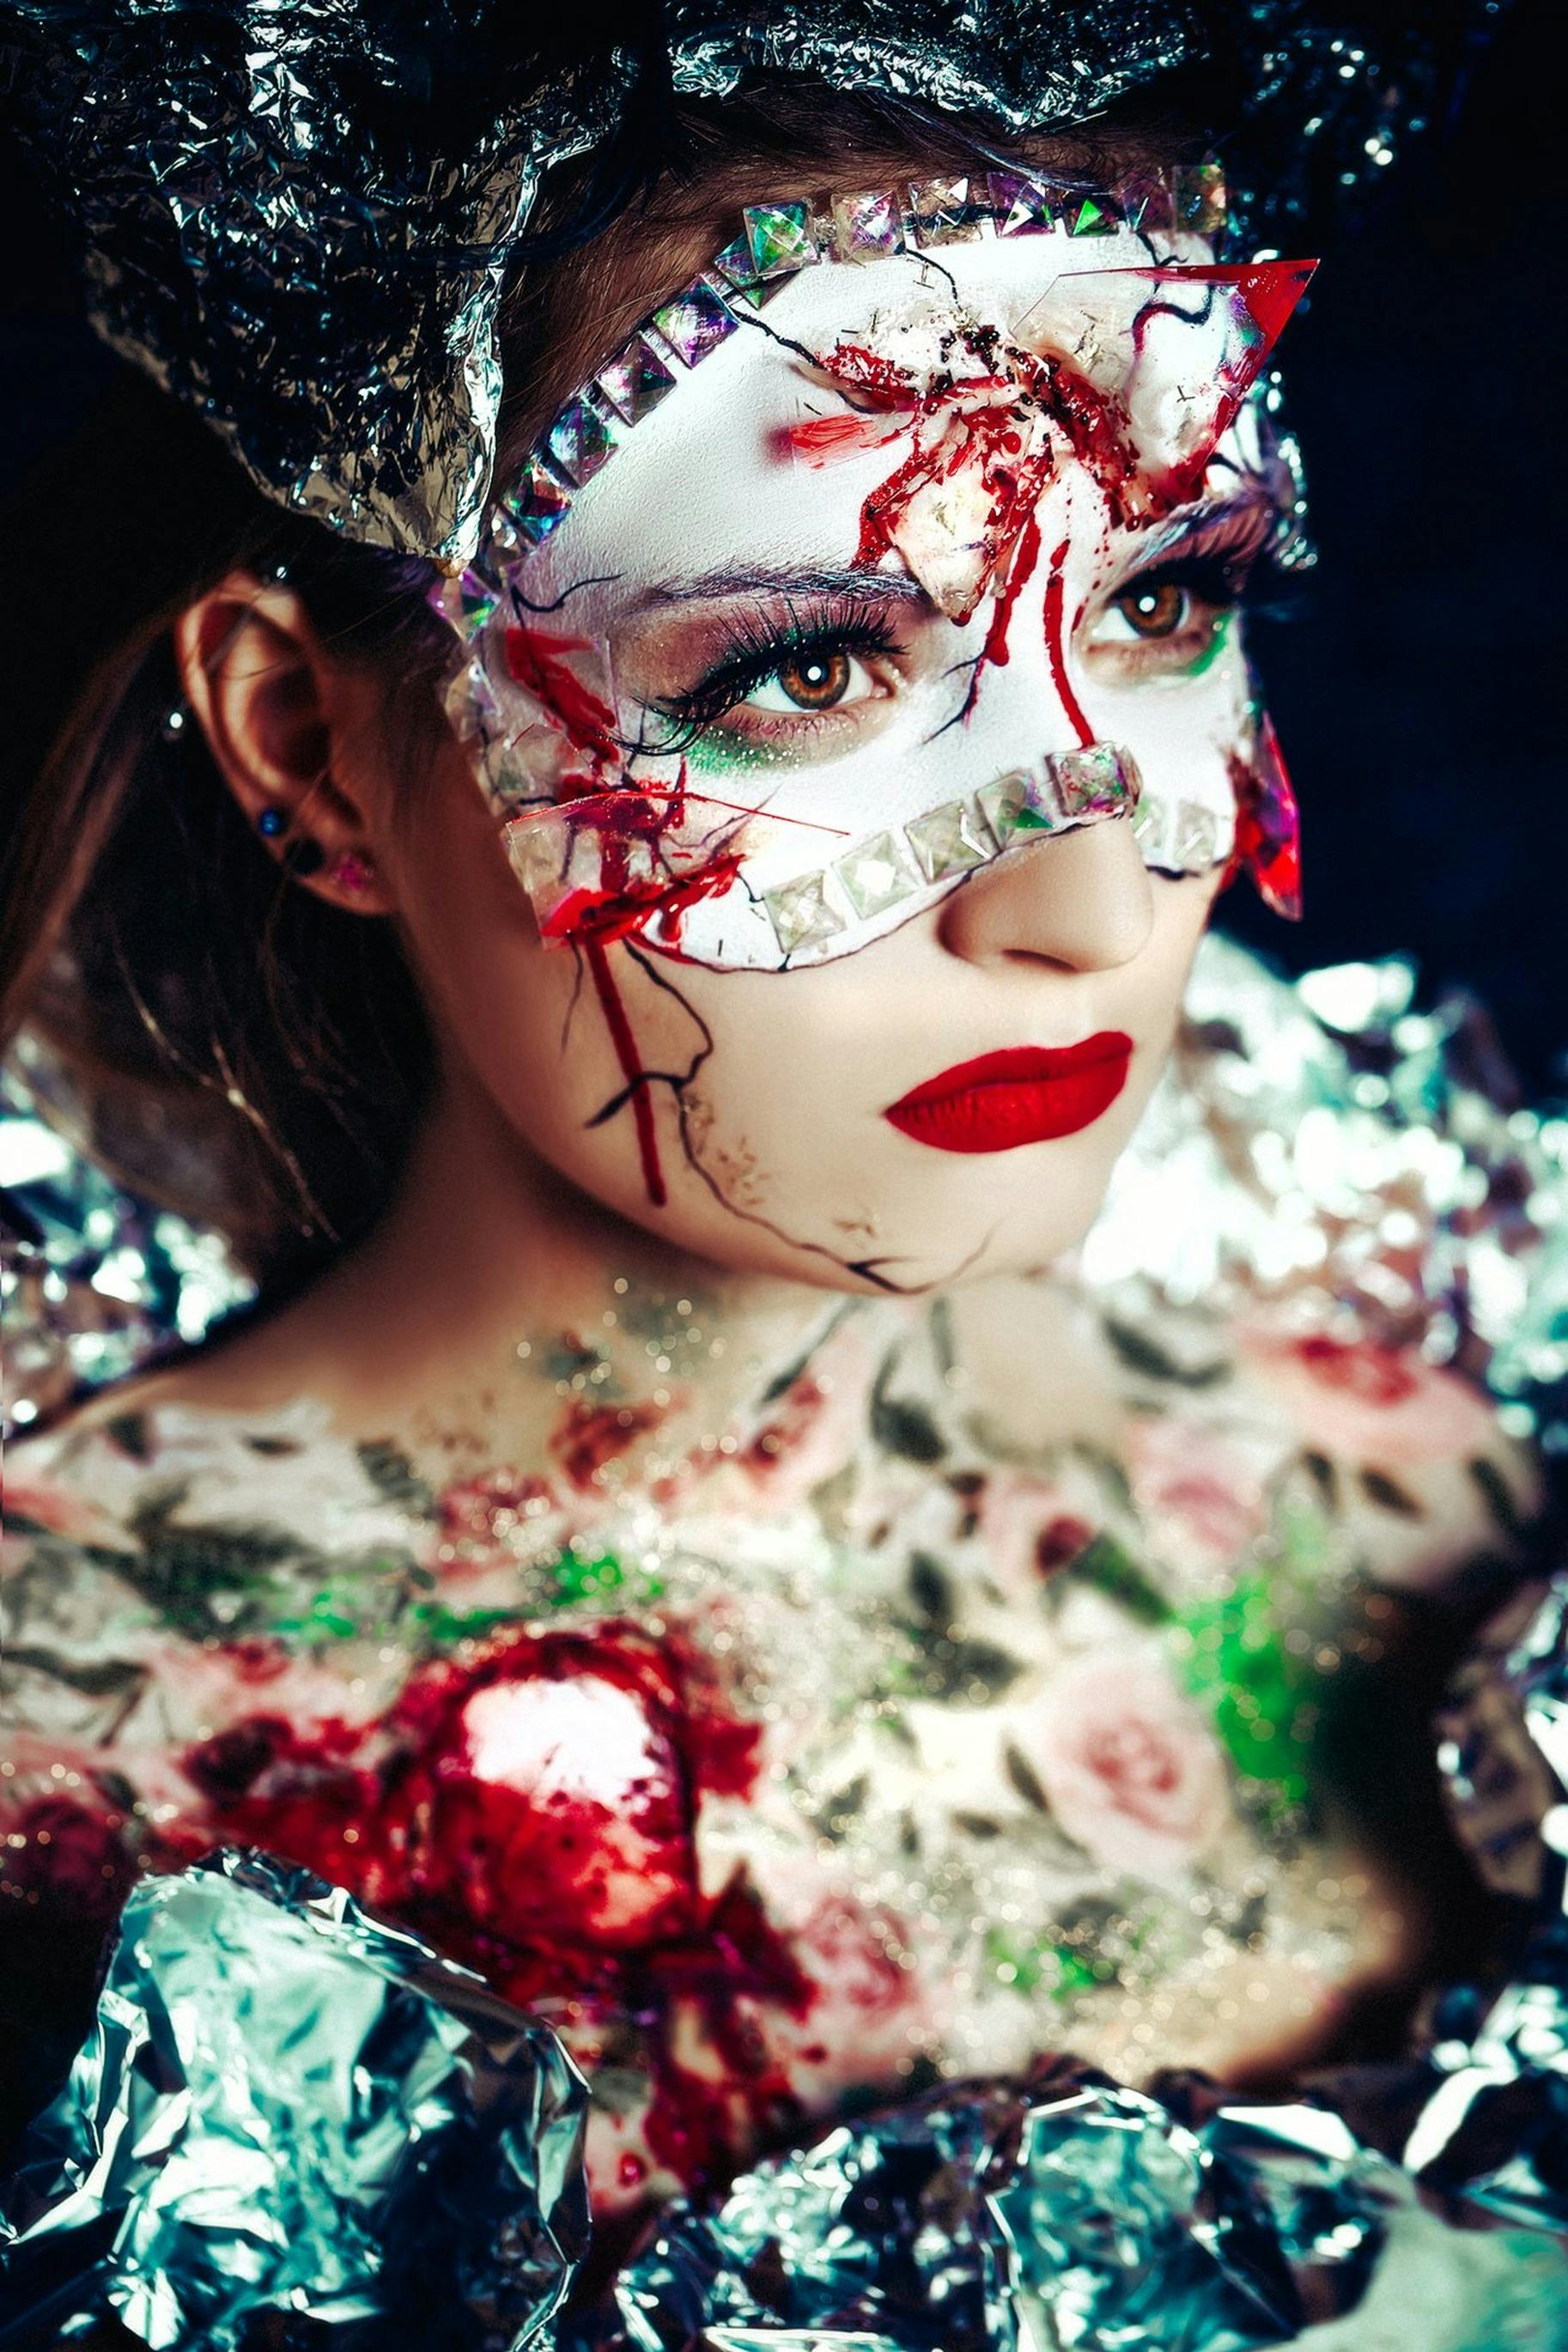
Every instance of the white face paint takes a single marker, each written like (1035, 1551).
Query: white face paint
(932, 557)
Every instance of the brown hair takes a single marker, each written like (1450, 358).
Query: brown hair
(235, 1047)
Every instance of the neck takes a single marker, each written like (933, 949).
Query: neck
(500, 1289)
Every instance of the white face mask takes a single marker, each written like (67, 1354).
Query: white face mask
(930, 559)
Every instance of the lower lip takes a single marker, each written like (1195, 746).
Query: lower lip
(1024, 1095)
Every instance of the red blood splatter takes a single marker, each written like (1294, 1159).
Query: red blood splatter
(1056, 652)
(537, 662)
(67, 1858)
(626, 1048)
(592, 1434)
(632, 2170)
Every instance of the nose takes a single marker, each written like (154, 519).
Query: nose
(1082, 899)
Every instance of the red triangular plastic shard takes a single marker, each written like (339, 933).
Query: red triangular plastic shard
(1175, 347)
(1268, 828)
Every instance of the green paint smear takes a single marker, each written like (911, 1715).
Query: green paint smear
(1233, 1661)
(1212, 650)
(1056, 1970)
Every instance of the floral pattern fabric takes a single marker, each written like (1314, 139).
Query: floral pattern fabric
(887, 1744)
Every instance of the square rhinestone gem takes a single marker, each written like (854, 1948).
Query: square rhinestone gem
(876, 874)
(1014, 804)
(801, 912)
(1197, 844)
(1091, 216)
(1151, 827)
(538, 504)
(695, 322)
(734, 266)
(782, 237)
(943, 841)
(581, 438)
(1201, 206)
(637, 381)
(867, 226)
(941, 212)
(1143, 200)
(1021, 206)
(1099, 781)
(477, 600)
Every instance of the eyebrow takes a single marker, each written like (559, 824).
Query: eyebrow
(858, 581)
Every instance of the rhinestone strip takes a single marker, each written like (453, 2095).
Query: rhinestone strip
(777, 241)
(1066, 791)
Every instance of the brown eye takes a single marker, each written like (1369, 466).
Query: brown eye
(1158, 610)
(815, 681)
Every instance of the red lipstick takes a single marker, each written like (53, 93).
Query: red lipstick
(1026, 1095)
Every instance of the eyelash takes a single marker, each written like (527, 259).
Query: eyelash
(1228, 562)
(756, 653)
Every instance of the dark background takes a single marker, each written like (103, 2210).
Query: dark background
(1418, 686)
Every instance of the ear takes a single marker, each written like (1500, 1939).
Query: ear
(279, 718)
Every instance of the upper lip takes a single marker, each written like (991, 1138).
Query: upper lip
(1018, 1065)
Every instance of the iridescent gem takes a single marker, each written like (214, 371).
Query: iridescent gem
(636, 381)
(735, 266)
(801, 913)
(1269, 827)
(944, 843)
(1201, 204)
(1102, 780)
(1014, 804)
(695, 322)
(1151, 829)
(876, 874)
(581, 438)
(477, 600)
(506, 545)
(1091, 216)
(781, 236)
(867, 226)
(1196, 846)
(942, 212)
(1020, 206)
(538, 504)
(1143, 200)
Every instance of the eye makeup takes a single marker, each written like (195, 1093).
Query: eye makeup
(812, 724)
(829, 637)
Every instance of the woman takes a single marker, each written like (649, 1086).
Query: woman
(721, 1526)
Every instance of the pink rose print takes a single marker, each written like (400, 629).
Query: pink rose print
(1204, 1489)
(1366, 1403)
(1129, 1766)
(1028, 1529)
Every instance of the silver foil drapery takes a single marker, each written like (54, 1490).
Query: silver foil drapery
(287, 2107)
(299, 220)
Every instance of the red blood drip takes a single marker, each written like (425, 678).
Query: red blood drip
(1054, 650)
(537, 661)
(624, 1043)
(1025, 556)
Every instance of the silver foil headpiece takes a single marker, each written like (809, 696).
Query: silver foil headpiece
(299, 220)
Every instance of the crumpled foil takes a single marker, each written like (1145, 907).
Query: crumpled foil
(287, 2107)
(300, 219)
(1327, 1143)
(93, 1281)
(1069, 2212)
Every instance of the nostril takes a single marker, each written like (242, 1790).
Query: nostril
(1084, 900)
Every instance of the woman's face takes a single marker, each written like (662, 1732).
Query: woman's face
(933, 1076)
